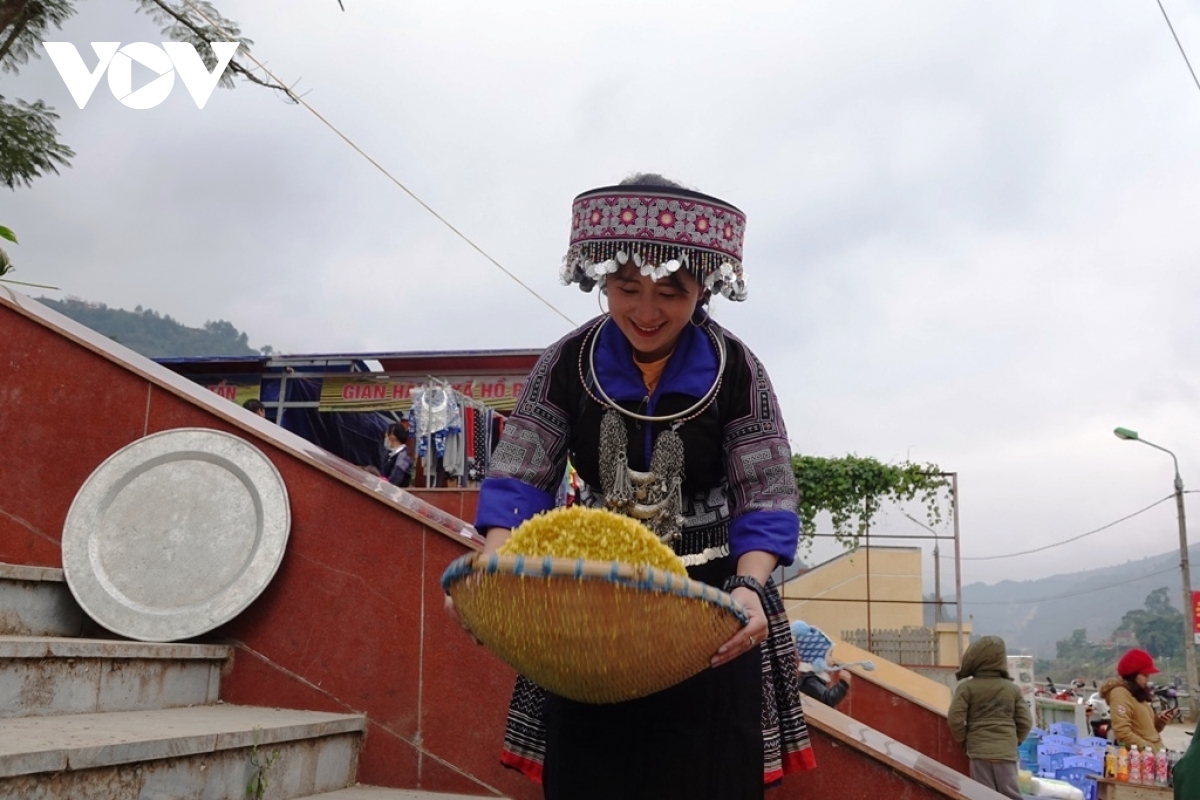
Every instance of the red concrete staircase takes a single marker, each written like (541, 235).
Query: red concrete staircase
(351, 627)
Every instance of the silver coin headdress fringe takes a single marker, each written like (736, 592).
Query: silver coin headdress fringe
(661, 230)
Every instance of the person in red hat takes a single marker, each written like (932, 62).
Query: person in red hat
(1128, 698)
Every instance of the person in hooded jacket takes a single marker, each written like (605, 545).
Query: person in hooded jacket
(1128, 698)
(989, 717)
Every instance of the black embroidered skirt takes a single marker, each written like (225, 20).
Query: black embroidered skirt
(595, 738)
(699, 739)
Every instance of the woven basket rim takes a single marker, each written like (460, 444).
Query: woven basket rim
(639, 576)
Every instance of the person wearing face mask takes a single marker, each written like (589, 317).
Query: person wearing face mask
(1129, 702)
(398, 464)
(654, 395)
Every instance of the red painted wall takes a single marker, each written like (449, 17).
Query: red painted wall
(844, 774)
(353, 620)
(905, 720)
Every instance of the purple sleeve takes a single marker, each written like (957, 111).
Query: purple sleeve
(775, 532)
(528, 463)
(758, 460)
(507, 502)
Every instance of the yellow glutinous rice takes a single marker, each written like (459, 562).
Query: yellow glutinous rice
(593, 534)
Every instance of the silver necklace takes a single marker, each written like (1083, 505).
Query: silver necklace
(689, 413)
(654, 497)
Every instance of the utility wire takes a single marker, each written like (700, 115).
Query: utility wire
(1179, 44)
(948, 537)
(301, 101)
(1069, 594)
(1068, 541)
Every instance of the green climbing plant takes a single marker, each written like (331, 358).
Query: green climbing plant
(6, 266)
(5, 263)
(260, 777)
(853, 488)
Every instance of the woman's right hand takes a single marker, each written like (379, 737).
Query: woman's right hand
(495, 538)
(448, 604)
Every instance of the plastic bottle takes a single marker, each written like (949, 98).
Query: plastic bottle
(1135, 765)
(1110, 762)
(1149, 766)
(1162, 768)
(1122, 764)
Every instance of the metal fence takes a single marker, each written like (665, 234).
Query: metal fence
(895, 594)
(908, 646)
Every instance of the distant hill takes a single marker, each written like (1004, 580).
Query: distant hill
(156, 335)
(1034, 615)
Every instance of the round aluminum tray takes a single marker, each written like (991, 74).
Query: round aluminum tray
(175, 534)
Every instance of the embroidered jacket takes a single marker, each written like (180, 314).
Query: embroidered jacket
(738, 489)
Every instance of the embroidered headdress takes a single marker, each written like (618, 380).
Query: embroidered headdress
(659, 228)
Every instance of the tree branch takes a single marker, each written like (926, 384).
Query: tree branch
(11, 10)
(19, 22)
(250, 76)
(236, 67)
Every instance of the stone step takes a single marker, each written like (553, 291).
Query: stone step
(35, 601)
(361, 792)
(44, 675)
(206, 751)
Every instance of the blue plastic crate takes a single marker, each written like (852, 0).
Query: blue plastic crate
(1028, 754)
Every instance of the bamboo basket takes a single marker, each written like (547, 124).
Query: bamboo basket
(591, 631)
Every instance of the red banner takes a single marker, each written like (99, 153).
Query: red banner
(357, 393)
(1196, 615)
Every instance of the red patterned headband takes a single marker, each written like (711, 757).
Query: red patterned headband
(661, 229)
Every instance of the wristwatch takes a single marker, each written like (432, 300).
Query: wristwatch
(748, 582)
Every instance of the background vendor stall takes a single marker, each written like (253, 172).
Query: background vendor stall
(344, 402)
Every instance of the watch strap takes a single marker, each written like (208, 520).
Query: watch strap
(746, 582)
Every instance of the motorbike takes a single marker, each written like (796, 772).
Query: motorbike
(1098, 716)
(1068, 693)
(1165, 698)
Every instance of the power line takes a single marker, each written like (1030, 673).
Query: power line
(948, 537)
(1179, 44)
(301, 101)
(1073, 538)
(1069, 594)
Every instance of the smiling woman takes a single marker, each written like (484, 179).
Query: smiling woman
(651, 313)
(672, 420)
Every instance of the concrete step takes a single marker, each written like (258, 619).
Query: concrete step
(361, 792)
(44, 675)
(202, 752)
(35, 601)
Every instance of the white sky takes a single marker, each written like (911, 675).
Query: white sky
(968, 223)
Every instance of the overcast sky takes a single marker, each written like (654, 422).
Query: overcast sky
(968, 223)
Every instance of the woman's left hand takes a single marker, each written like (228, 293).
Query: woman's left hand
(748, 637)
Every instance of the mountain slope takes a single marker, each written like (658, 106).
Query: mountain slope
(1034, 615)
(154, 335)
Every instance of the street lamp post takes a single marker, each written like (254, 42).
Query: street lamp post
(1189, 639)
